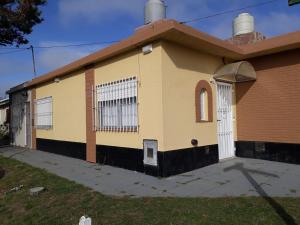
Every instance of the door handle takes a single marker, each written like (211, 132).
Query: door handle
(218, 120)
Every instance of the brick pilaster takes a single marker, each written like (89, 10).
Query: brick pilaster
(90, 132)
(33, 128)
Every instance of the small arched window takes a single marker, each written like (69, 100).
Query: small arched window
(203, 99)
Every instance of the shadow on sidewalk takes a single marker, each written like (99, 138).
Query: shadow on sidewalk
(275, 205)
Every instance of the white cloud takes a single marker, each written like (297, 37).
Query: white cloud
(8, 65)
(222, 29)
(10, 74)
(219, 26)
(277, 23)
(94, 10)
(188, 9)
(46, 60)
(271, 24)
(53, 58)
(4, 88)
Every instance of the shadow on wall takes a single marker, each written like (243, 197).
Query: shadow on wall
(276, 60)
(18, 102)
(242, 89)
(192, 60)
(286, 218)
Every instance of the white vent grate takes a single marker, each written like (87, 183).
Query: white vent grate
(117, 106)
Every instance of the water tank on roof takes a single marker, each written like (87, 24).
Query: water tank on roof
(154, 10)
(243, 24)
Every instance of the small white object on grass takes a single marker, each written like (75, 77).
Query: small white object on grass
(36, 190)
(85, 221)
(15, 189)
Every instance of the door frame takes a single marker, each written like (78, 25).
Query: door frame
(231, 139)
(28, 127)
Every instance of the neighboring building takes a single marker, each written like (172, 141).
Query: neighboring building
(21, 116)
(4, 122)
(4, 108)
(169, 99)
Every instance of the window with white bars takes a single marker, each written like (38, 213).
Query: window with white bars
(117, 106)
(43, 113)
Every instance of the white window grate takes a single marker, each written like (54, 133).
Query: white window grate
(43, 113)
(117, 106)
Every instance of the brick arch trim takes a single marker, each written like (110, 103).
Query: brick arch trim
(203, 85)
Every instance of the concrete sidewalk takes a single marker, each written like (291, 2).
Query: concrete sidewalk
(236, 177)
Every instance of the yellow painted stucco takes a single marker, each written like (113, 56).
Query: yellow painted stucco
(167, 80)
(234, 113)
(182, 69)
(148, 69)
(69, 120)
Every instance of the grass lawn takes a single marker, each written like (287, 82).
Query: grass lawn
(65, 202)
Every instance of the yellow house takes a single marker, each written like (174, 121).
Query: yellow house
(164, 101)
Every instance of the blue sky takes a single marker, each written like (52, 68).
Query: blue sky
(84, 21)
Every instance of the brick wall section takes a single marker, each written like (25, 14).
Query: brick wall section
(269, 108)
(249, 38)
(33, 129)
(90, 132)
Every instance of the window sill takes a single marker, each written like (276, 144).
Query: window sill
(44, 127)
(204, 121)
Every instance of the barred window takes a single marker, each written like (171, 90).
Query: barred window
(117, 106)
(43, 113)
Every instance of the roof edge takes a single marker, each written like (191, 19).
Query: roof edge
(143, 34)
(272, 45)
(159, 30)
(17, 88)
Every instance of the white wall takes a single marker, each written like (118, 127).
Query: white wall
(18, 118)
(2, 115)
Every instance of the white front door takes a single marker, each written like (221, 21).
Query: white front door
(224, 118)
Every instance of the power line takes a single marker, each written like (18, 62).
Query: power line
(76, 45)
(31, 48)
(62, 46)
(229, 11)
(11, 52)
(111, 42)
